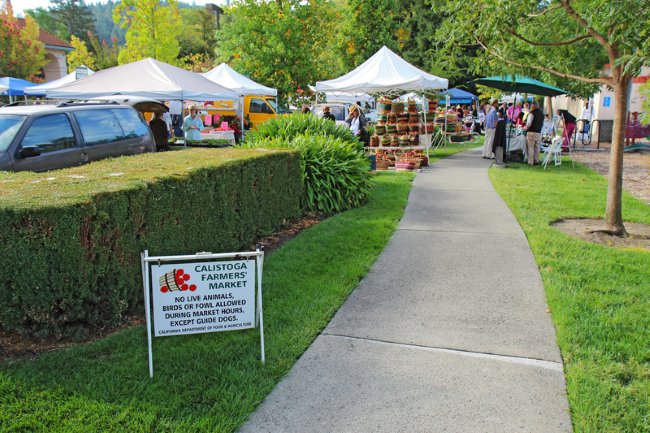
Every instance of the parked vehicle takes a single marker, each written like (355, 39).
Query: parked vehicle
(48, 137)
(257, 109)
(340, 111)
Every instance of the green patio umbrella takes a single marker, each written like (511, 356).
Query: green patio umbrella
(520, 84)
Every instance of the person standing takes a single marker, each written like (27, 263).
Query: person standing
(192, 125)
(499, 142)
(160, 132)
(356, 122)
(534, 123)
(490, 124)
(569, 121)
(327, 114)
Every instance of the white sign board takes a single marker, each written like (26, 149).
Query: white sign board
(80, 72)
(202, 292)
(193, 298)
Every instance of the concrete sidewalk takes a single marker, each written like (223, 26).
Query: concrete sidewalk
(448, 332)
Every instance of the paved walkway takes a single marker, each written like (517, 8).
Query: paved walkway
(447, 333)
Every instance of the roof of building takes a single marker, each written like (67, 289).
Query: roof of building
(47, 38)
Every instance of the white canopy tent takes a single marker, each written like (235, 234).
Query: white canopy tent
(226, 76)
(345, 96)
(233, 80)
(384, 73)
(42, 89)
(148, 78)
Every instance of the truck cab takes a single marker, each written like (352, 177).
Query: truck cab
(257, 109)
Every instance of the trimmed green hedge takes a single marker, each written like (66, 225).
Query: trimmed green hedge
(71, 239)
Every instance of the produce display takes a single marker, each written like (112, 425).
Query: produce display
(397, 134)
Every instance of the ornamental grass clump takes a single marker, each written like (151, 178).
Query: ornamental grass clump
(289, 127)
(335, 172)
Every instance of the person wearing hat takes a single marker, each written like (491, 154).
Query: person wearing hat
(327, 114)
(356, 122)
(192, 125)
(534, 124)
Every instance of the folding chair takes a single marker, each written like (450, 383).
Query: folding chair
(555, 151)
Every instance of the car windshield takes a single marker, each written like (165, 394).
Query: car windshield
(9, 126)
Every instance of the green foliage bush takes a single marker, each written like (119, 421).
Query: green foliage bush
(290, 127)
(71, 239)
(335, 172)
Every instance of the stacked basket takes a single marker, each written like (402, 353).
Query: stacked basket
(400, 126)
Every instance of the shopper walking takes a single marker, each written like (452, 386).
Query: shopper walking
(534, 123)
(490, 124)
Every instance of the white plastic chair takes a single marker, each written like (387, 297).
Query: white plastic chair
(555, 151)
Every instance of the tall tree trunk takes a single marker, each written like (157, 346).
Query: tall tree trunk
(613, 213)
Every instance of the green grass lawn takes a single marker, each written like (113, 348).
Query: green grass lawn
(209, 382)
(451, 148)
(599, 296)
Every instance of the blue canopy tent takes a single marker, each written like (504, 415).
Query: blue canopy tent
(457, 96)
(15, 86)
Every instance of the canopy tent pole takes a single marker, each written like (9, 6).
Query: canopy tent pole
(241, 109)
(277, 107)
(425, 103)
(447, 99)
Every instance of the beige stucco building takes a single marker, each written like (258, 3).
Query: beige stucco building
(55, 51)
(602, 103)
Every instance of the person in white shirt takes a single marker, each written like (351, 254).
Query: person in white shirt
(356, 122)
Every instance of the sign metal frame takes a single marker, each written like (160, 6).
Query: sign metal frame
(148, 261)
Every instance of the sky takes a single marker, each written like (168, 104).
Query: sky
(20, 5)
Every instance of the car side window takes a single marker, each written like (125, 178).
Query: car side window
(50, 134)
(132, 125)
(99, 126)
(257, 106)
(338, 112)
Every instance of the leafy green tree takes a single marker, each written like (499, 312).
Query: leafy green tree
(153, 29)
(283, 44)
(80, 56)
(22, 54)
(106, 55)
(568, 39)
(370, 25)
(199, 35)
(47, 22)
(75, 16)
(105, 28)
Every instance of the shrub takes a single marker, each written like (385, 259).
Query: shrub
(289, 127)
(335, 172)
(72, 238)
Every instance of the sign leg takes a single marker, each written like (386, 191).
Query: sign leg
(147, 308)
(260, 261)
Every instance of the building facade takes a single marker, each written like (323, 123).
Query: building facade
(55, 51)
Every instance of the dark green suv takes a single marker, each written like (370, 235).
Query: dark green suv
(48, 137)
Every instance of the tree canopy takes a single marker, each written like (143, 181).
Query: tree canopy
(22, 54)
(566, 42)
(283, 44)
(75, 16)
(152, 29)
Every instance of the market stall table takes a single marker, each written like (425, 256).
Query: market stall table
(219, 135)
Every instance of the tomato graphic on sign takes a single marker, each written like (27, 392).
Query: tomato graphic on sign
(176, 281)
